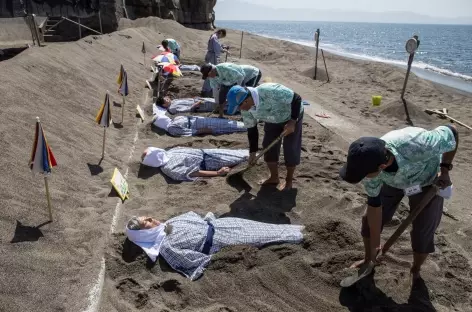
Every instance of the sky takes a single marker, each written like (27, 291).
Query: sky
(435, 8)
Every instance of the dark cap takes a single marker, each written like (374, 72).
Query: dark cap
(205, 70)
(365, 156)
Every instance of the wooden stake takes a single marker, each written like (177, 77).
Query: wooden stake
(48, 197)
(326, 68)
(410, 61)
(104, 137)
(123, 110)
(241, 48)
(317, 44)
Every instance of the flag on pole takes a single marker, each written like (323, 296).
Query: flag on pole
(143, 49)
(120, 75)
(123, 90)
(42, 159)
(104, 114)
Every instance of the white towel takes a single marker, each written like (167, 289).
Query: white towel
(150, 240)
(446, 193)
(155, 157)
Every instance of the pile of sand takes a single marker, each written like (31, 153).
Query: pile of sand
(55, 266)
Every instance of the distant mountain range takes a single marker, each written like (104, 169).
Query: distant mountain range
(242, 10)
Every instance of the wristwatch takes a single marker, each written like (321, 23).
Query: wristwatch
(447, 166)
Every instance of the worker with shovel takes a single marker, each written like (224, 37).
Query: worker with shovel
(407, 162)
(281, 110)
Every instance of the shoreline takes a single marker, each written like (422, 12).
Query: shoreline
(445, 78)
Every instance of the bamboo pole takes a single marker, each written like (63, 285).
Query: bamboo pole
(48, 197)
(103, 145)
(241, 48)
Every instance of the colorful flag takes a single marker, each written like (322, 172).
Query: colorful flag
(143, 49)
(120, 75)
(42, 159)
(123, 90)
(104, 114)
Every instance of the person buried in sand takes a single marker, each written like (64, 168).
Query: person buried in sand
(187, 242)
(402, 162)
(186, 105)
(188, 164)
(282, 111)
(197, 125)
(225, 75)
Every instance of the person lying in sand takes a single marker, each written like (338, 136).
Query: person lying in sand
(186, 105)
(187, 242)
(281, 110)
(405, 161)
(225, 75)
(188, 164)
(197, 125)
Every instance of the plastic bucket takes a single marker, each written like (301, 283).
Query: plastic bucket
(376, 100)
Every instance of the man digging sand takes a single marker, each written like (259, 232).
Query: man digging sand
(281, 110)
(402, 163)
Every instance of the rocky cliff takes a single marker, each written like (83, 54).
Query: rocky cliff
(190, 13)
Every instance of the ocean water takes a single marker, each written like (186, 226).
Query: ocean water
(444, 55)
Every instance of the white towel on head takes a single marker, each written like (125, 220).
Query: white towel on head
(155, 157)
(150, 240)
(162, 122)
(254, 95)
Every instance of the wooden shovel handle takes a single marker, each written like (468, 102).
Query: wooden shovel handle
(265, 150)
(430, 194)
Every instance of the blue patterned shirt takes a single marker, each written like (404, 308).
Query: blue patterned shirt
(228, 74)
(275, 105)
(418, 153)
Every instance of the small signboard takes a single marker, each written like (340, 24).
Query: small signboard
(120, 185)
(140, 112)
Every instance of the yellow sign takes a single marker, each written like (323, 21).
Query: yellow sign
(140, 112)
(120, 185)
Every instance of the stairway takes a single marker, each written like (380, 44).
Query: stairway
(49, 29)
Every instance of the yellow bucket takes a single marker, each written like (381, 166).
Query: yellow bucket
(376, 100)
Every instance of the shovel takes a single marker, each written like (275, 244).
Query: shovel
(235, 178)
(366, 271)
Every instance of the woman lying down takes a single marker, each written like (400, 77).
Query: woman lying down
(188, 241)
(188, 164)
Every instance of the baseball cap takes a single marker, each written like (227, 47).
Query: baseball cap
(364, 156)
(236, 95)
(205, 70)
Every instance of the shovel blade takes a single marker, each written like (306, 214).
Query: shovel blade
(236, 180)
(353, 279)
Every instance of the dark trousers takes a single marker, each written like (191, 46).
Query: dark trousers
(425, 224)
(292, 143)
(254, 81)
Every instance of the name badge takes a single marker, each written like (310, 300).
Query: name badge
(413, 190)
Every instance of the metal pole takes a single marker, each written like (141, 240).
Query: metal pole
(80, 30)
(324, 61)
(97, 32)
(100, 20)
(317, 44)
(48, 197)
(241, 48)
(159, 7)
(410, 61)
